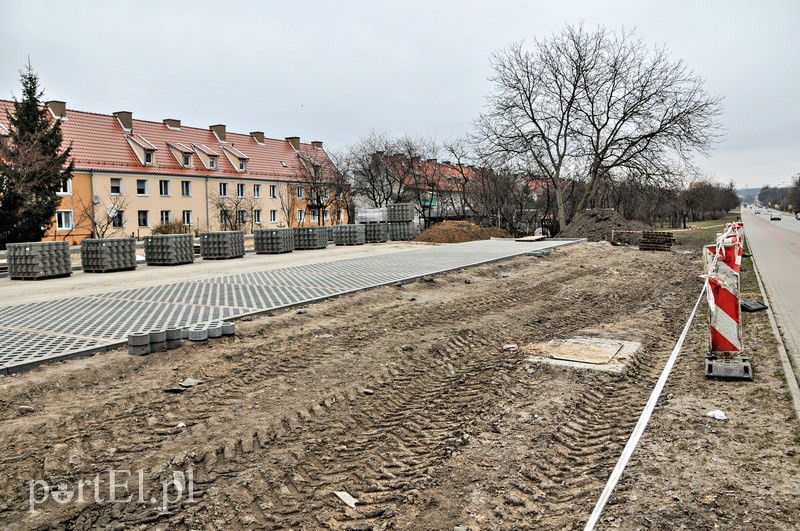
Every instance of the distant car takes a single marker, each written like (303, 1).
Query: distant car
(758, 212)
(775, 216)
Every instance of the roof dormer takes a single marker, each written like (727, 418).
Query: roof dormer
(207, 156)
(237, 158)
(143, 149)
(182, 153)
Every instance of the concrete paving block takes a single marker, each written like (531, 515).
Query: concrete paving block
(228, 328)
(139, 350)
(198, 333)
(139, 339)
(158, 336)
(214, 329)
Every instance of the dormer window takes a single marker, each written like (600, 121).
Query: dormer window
(242, 165)
(143, 149)
(148, 157)
(212, 162)
(187, 160)
(207, 156)
(237, 159)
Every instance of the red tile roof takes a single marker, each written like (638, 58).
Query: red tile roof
(99, 143)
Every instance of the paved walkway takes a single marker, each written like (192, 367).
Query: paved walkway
(31, 334)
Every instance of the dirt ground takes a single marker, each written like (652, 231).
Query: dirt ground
(402, 397)
(459, 232)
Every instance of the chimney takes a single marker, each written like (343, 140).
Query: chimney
(125, 119)
(258, 136)
(172, 123)
(432, 161)
(294, 141)
(58, 108)
(415, 159)
(317, 143)
(218, 130)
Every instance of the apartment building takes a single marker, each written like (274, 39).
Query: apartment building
(132, 175)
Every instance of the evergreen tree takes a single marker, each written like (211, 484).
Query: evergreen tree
(32, 166)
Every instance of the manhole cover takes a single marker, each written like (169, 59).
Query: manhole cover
(592, 353)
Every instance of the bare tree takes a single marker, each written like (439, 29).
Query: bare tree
(321, 179)
(287, 197)
(233, 212)
(373, 180)
(106, 219)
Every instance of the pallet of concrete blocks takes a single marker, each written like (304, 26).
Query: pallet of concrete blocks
(402, 231)
(656, 241)
(332, 232)
(222, 245)
(351, 235)
(310, 237)
(38, 260)
(400, 212)
(371, 215)
(376, 232)
(169, 249)
(106, 255)
(273, 241)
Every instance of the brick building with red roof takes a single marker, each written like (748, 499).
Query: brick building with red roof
(131, 175)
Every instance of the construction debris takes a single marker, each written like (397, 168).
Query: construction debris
(656, 241)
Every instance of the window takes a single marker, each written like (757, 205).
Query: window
(186, 188)
(326, 215)
(242, 165)
(257, 216)
(187, 217)
(301, 192)
(142, 215)
(163, 187)
(241, 216)
(256, 190)
(118, 220)
(66, 187)
(116, 186)
(224, 217)
(273, 191)
(165, 216)
(223, 189)
(212, 162)
(240, 190)
(301, 215)
(141, 186)
(148, 156)
(64, 220)
(273, 216)
(187, 160)
(314, 216)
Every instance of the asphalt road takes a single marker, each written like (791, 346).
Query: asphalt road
(776, 248)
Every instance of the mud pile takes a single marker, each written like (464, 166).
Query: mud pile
(459, 232)
(596, 225)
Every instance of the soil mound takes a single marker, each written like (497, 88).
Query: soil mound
(459, 232)
(596, 225)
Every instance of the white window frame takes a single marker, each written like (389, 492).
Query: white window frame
(242, 164)
(60, 225)
(187, 217)
(118, 221)
(326, 215)
(212, 162)
(223, 187)
(301, 215)
(301, 191)
(241, 216)
(186, 188)
(111, 186)
(146, 187)
(146, 218)
(187, 160)
(314, 216)
(273, 216)
(256, 190)
(149, 156)
(257, 216)
(163, 185)
(167, 218)
(66, 188)
(273, 191)
(241, 190)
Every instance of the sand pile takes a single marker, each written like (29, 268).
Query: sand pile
(458, 232)
(596, 225)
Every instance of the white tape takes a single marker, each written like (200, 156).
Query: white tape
(627, 452)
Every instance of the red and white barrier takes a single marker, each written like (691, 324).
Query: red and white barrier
(724, 262)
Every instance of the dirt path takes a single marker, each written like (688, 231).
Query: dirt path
(399, 396)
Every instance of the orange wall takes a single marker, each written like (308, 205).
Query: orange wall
(79, 202)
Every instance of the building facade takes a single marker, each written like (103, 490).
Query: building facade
(134, 176)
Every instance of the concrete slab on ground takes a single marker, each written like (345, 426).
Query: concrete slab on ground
(608, 355)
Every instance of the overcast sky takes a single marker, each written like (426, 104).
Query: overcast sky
(336, 70)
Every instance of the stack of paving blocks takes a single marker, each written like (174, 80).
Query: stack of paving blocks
(222, 245)
(38, 260)
(332, 232)
(273, 241)
(376, 232)
(351, 235)
(310, 237)
(401, 221)
(656, 241)
(113, 254)
(372, 215)
(169, 249)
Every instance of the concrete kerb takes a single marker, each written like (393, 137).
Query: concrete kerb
(28, 365)
(788, 370)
